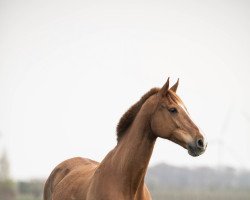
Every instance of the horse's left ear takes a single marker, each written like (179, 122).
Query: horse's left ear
(175, 86)
(164, 90)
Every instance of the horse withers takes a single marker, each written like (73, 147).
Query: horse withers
(120, 175)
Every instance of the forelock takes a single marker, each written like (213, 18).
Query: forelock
(175, 98)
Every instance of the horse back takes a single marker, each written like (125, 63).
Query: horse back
(70, 179)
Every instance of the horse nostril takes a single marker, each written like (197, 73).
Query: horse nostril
(200, 143)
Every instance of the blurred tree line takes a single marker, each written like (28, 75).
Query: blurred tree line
(201, 183)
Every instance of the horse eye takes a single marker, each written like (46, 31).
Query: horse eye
(172, 110)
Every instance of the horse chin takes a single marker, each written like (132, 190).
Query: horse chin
(195, 152)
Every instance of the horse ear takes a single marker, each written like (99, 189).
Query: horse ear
(164, 90)
(175, 86)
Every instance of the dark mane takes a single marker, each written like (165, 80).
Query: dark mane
(129, 116)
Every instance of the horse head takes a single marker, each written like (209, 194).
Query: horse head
(171, 120)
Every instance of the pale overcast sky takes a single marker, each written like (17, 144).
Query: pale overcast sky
(70, 69)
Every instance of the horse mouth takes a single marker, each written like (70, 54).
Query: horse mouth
(194, 151)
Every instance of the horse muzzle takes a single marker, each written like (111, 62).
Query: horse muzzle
(197, 147)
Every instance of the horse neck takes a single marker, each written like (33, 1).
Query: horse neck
(129, 159)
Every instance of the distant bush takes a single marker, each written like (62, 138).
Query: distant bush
(33, 188)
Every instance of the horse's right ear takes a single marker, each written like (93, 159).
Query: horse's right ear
(164, 90)
(175, 86)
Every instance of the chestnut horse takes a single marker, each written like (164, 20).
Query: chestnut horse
(120, 175)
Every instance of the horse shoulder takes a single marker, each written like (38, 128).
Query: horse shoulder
(147, 195)
(143, 193)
